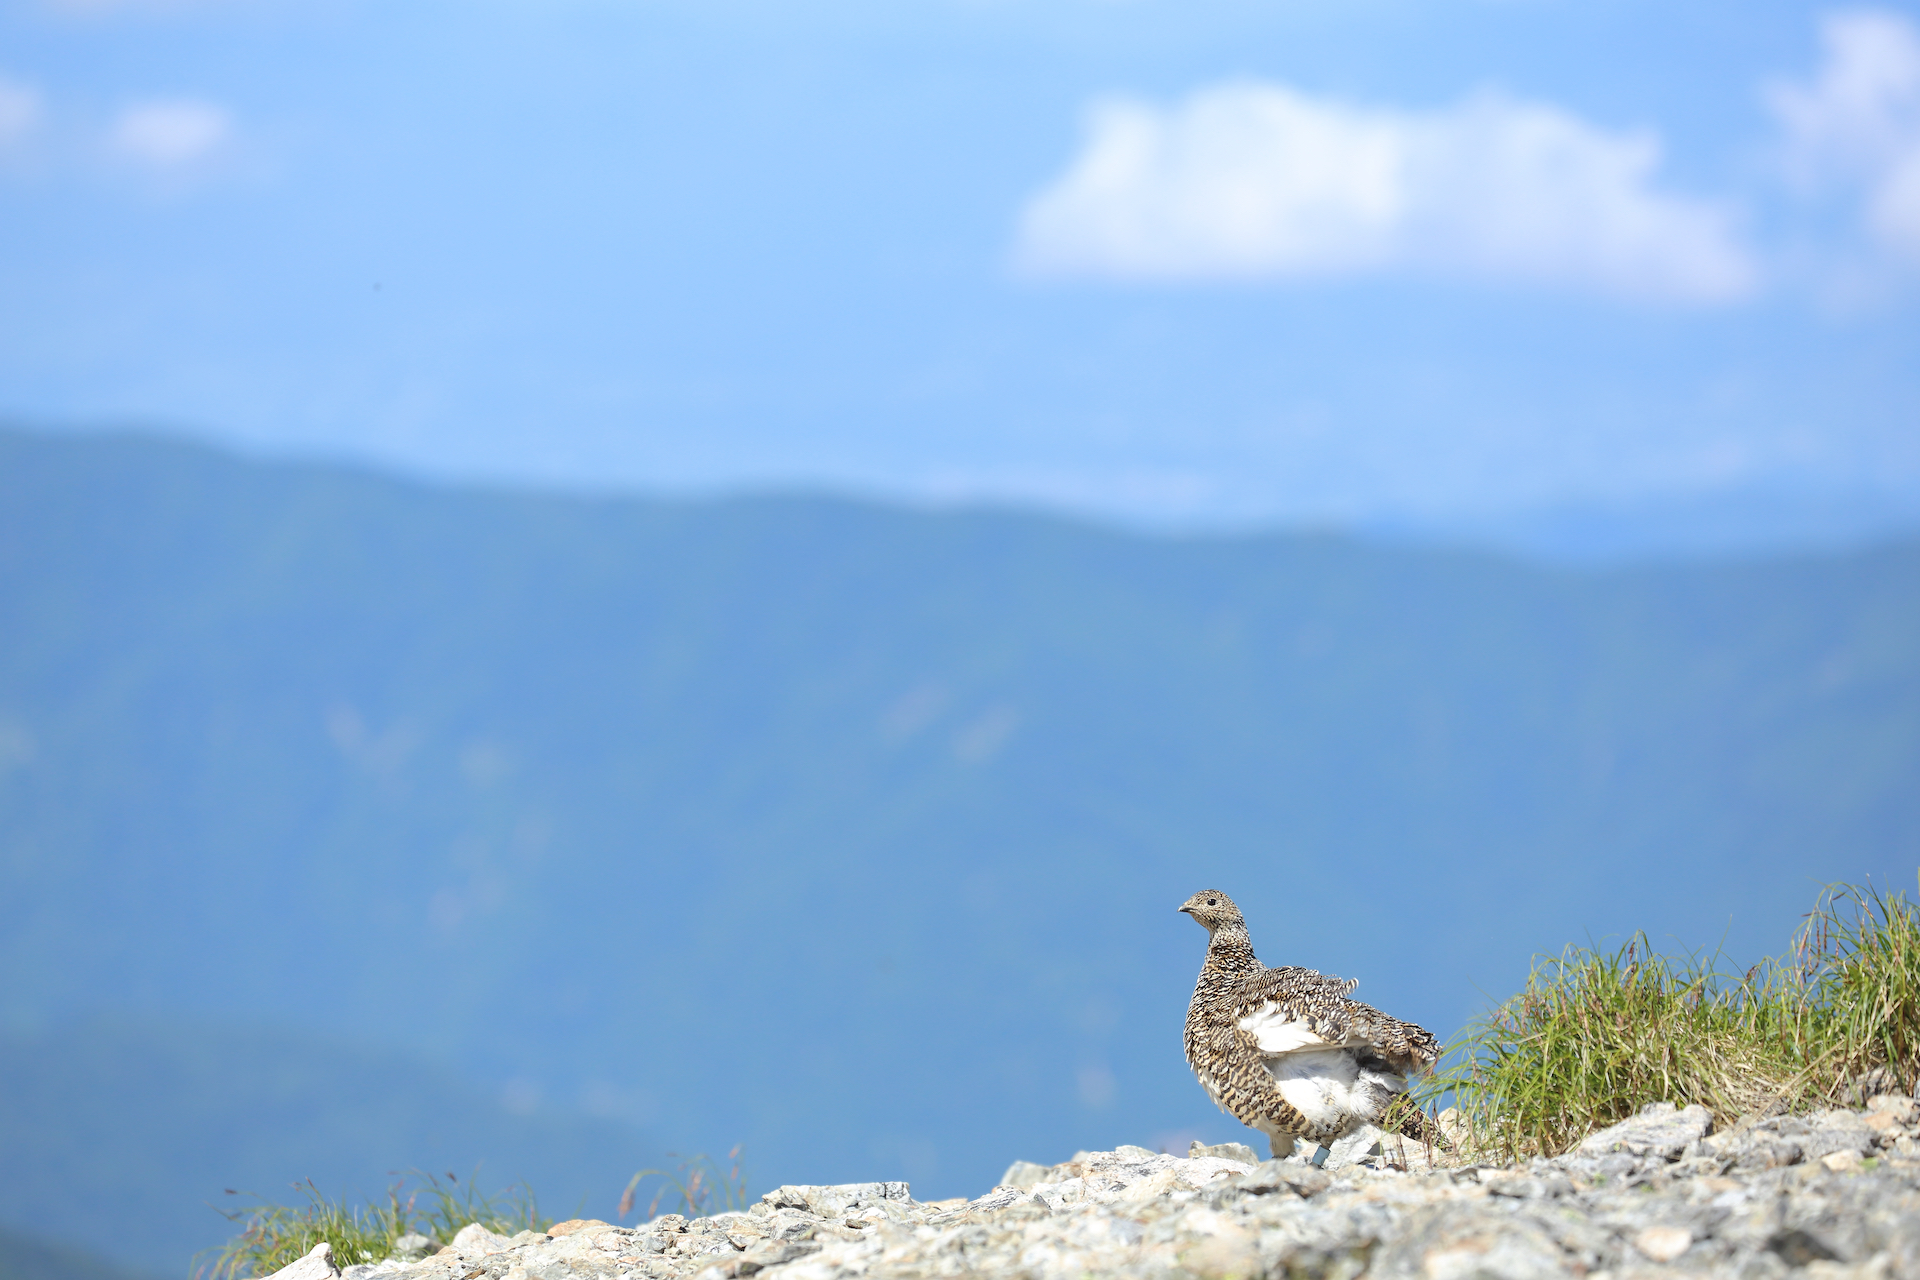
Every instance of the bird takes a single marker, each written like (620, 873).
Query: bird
(1286, 1051)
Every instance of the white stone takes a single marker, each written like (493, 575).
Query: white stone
(1358, 1147)
(834, 1201)
(1238, 1152)
(474, 1240)
(1058, 1195)
(1203, 1170)
(412, 1245)
(1024, 1173)
(1663, 1244)
(317, 1265)
(1153, 1186)
(1659, 1130)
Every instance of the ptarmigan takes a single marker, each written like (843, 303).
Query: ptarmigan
(1284, 1050)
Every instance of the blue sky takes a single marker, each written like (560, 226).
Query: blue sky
(1196, 263)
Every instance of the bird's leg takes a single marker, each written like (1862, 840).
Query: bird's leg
(1320, 1154)
(1280, 1145)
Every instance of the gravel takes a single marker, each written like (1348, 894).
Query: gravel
(1824, 1196)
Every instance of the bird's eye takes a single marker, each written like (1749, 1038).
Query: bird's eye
(1212, 903)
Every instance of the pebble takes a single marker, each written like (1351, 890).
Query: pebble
(1663, 1244)
(1829, 1196)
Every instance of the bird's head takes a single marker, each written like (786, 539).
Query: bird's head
(1213, 909)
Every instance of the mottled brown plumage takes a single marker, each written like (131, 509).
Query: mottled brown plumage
(1285, 1050)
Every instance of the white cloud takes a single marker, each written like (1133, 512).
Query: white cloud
(1858, 120)
(19, 110)
(1259, 180)
(170, 135)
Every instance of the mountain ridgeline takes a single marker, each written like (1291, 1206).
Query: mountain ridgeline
(849, 833)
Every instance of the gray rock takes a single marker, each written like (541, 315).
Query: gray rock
(1517, 1184)
(1832, 1131)
(829, 1202)
(1659, 1130)
(1000, 1198)
(1897, 1104)
(368, 1270)
(1777, 1142)
(1238, 1152)
(1463, 1249)
(1284, 1175)
(1877, 1082)
(771, 1254)
(1754, 1152)
(1024, 1173)
(1623, 1206)
(1359, 1147)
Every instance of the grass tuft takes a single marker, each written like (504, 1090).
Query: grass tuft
(274, 1235)
(1595, 1035)
(702, 1186)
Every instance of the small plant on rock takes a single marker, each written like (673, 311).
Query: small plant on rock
(701, 1184)
(1594, 1035)
(273, 1235)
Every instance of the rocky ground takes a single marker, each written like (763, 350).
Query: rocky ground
(1831, 1195)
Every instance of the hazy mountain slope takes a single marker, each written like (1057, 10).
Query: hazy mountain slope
(856, 834)
(122, 1135)
(24, 1257)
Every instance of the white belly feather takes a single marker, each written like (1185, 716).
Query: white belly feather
(1330, 1088)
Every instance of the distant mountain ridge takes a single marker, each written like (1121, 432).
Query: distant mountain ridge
(856, 834)
(24, 1257)
(1736, 523)
(129, 1133)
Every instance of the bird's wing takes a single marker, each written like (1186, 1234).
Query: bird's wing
(1278, 1029)
(1292, 1010)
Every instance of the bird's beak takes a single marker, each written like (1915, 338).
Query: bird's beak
(1187, 910)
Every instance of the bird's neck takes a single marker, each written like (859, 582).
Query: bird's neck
(1230, 951)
